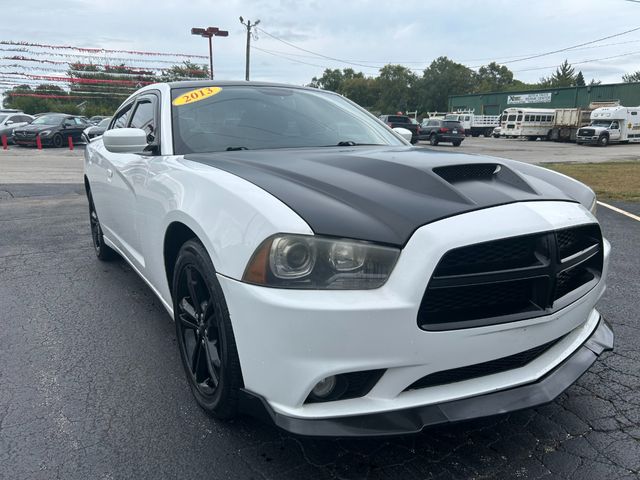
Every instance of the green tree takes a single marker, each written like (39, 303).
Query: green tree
(363, 91)
(631, 77)
(185, 71)
(493, 78)
(333, 79)
(564, 76)
(396, 85)
(580, 80)
(442, 78)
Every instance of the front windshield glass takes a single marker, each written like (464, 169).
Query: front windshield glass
(104, 123)
(601, 123)
(48, 120)
(254, 118)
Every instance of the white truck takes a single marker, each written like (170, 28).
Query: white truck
(611, 125)
(475, 125)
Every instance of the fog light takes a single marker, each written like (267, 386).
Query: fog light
(324, 387)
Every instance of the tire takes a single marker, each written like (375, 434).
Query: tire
(57, 140)
(103, 252)
(578, 143)
(204, 333)
(603, 141)
(457, 143)
(433, 139)
(488, 132)
(475, 135)
(532, 139)
(414, 141)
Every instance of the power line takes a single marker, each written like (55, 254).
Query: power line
(316, 53)
(569, 48)
(637, 52)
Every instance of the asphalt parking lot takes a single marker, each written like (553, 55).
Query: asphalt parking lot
(91, 384)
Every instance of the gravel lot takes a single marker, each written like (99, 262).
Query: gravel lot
(542, 151)
(91, 384)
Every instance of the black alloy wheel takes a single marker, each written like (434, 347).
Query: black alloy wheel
(456, 143)
(433, 139)
(103, 252)
(57, 140)
(205, 337)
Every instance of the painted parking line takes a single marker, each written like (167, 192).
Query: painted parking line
(619, 210)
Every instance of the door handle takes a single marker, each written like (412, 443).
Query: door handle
(109, 173)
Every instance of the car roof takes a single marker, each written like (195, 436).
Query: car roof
(234, 83)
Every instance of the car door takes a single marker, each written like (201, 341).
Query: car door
(614, 131)
(100, 169)
(128, 176)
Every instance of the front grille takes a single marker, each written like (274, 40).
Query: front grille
(482, 369)
(512, 279)
(586, 132)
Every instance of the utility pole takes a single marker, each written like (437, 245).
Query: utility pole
(209, 33)
(249, 26)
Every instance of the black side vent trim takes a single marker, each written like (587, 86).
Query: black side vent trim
(491, 367)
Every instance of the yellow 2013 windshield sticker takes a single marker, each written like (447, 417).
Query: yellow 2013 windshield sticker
(196, 95)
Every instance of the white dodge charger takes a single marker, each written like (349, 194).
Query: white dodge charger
(326, 275)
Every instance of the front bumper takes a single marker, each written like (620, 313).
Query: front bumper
(289, 340)
(589, 140)
(413, 420)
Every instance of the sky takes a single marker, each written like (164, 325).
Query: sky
(362, 34)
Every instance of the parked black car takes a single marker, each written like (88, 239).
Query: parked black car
(402, 121)
(54, 129)
(437, 130)
(96, 130)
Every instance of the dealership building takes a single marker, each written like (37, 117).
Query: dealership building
(627, 94)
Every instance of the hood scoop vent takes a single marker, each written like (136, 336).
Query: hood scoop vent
(474, 171)
(485, 173)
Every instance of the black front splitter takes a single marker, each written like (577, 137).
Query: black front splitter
(413, 420)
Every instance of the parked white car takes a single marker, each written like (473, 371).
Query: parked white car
(9, 120)
(325, 274)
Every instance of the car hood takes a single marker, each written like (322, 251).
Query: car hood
(36, 128)
(383, 194)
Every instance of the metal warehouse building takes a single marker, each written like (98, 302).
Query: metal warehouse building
(628, 94)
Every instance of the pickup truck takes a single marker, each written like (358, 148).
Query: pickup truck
(402, 121)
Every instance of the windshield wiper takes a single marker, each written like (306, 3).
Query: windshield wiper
(233, 149)
(351, 143)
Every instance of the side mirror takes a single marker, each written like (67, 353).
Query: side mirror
(125, 140)
(404, 133)
(9, 122)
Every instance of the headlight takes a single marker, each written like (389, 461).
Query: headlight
(303, 261)
(594, 205)
(45, 133)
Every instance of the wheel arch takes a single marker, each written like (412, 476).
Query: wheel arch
(176, 234)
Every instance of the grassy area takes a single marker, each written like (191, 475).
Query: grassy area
(610, 180)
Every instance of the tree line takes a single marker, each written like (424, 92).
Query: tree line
(397, 88)
(98, 90)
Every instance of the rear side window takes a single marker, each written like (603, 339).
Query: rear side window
(452, 124)
(398, 119)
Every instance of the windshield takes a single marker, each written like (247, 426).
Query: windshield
(2, 117)
(601, 123)
(48, 120)
(253, 118)
(104, 123)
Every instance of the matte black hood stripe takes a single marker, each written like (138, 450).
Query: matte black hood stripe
(380, 194)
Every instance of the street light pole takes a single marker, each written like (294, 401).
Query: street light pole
(248, 52)
(209, 33)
